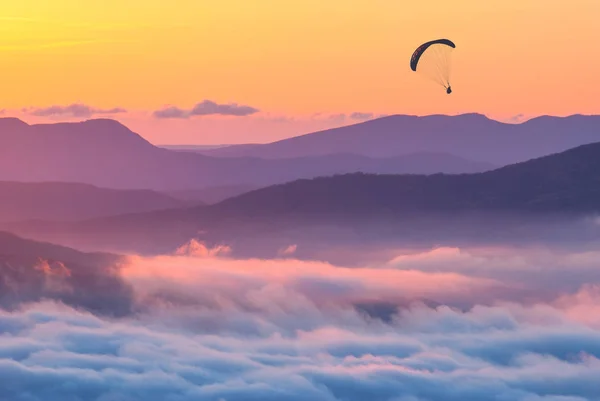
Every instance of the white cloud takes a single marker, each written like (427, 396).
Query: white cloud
(204, 327)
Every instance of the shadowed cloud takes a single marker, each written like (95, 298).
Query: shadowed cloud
(362, 116)
(517, 119)
(346, 117)
(206, 108)
(77, 110)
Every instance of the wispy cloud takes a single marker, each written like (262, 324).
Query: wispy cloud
(171, 112)
(288, 251)
(77, 110)
(361, 116)
(516, 119)
(345, 117)
(206, 108)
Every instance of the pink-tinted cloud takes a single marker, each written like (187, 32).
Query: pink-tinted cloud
(542, 273)
(289, 250)
(247, 282)
(215, 328)
(195, 248)
(582, 306)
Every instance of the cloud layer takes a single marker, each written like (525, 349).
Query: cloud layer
(448, 324)
(51, 352)
(206, 108)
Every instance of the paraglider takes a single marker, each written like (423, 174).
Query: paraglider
(432, 60)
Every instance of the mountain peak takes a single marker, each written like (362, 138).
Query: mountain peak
(572, 117)
(104, 131)
(429, 116)
(10, 123)
(105, 122)
(93, 123)
(471, 136)
(478, 116)
(106, 125)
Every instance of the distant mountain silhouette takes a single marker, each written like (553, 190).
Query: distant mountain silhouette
(471, 136)
(191, 148)
(564, 184)
(67, 201)
(210, 195)
(12, 246)
(107, 154)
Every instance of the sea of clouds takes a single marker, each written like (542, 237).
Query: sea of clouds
(446, 324)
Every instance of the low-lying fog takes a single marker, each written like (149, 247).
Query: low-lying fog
(491, 323)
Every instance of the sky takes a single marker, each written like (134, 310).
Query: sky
(238, 71)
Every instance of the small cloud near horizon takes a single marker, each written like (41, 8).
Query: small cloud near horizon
(337, 118)
(288, 251)
(77, 110)
(206, 108)
(519, 118)
(361, 116)
(342, 117)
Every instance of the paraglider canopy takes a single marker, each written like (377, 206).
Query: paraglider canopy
(432, 59)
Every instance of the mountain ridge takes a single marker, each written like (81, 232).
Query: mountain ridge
(564, 185)
(565, 174)
(75, 201)
(473, 136)
(107, 154)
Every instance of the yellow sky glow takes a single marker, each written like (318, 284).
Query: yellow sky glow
(298, 57)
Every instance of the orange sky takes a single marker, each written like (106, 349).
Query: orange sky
(294, 58)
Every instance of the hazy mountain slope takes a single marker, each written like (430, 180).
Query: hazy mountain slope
(470, 136)
(210, 195)
(360, 205)
(107, 154)
(568, 181)
(68, 201)
(33, 271)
